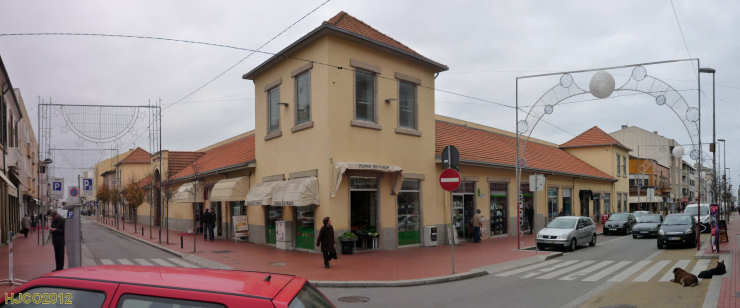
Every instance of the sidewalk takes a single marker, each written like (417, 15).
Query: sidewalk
(400, 264)
(30, 259)
(728, 295)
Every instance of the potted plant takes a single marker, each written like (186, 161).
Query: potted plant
(348, 240)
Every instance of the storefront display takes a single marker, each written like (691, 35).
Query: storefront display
(364, 210)
(409, 232)
(463, 207)
(274, 213)
(304, 227)
(499, 201)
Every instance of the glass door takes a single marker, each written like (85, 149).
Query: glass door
(274, 213)
(499, 201)
(458, 214)
(364, 211)
(409, 227)
(304, 227)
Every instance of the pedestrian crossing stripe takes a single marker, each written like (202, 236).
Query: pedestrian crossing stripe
(169, 262)
(596, 270)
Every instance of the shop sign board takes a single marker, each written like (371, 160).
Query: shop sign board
(449, 179)
(537, 181)
(241, 226)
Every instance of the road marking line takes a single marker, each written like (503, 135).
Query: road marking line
(527, 268)
(650, 272)
(162, 262)
(180, 262)
(107, 261)
(586, 270)
(700, 265)
(143, 262)
(630, 270)
(548, 269)
(125, 261)
(566, 270)
(609, 270)
(669, 274)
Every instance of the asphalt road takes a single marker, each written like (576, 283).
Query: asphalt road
(104, 246)
(549, 286)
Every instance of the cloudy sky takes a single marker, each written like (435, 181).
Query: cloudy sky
(486, 44)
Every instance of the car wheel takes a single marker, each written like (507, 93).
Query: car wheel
(634, 236)
(660, 245)
(573, 245)
(540, 247)
(593, 241)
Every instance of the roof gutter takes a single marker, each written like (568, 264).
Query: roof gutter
(245, 165)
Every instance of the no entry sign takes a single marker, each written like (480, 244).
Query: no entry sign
(449, 179)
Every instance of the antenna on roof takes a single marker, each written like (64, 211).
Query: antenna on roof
(269, 276)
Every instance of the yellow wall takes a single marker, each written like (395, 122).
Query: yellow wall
(604, 158)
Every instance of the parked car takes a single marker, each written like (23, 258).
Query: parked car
(155, 286)
(567, 232)
(619, 223)
(640, 213)
(705, 219)
(677, 229)
(647, 225)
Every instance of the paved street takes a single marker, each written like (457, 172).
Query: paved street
(107, 247)
(577, 278)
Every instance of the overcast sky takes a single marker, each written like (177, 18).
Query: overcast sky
(485, 44)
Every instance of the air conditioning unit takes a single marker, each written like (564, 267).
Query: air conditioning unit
(431, 236)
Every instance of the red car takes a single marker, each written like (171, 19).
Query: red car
(124, 286)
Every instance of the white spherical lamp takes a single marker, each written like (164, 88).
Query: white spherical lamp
(602, 84)
(678, 151)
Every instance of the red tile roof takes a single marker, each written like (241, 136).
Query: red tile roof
(176, 161)
(237, 152)
(145, 181)
(348, 22)
(137, 156)
(593, 137)
(477, 145)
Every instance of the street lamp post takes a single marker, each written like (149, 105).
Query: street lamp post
(724, 177)
(714, 133)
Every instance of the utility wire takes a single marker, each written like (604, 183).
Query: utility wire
(680, 29)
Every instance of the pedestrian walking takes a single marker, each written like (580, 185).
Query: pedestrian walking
(326, 242)
(476, 226)
(26, 225)
(57, 238)
(205, 220)
(530, 218)
(211, 224)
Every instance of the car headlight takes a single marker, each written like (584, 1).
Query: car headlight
(661, 232)
(689, 230)
(562, 236)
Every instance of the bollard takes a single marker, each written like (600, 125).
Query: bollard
(195, 239)
(142, 231)
(181, 242)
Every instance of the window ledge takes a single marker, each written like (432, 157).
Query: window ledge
(366, 124)
(302, 126)
(408, 131)
(273, 134)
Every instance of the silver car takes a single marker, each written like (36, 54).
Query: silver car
(567, 232)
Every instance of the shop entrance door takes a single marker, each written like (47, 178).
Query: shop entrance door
(216, 206)
(364, 210)
(198, 215)
(584, 196)
(463, 207)
(304, 227)
(274, 213)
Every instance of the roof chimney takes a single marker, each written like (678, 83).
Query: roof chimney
(624, 126)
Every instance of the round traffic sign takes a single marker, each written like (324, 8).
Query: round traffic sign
(74, 192)
(449, 179)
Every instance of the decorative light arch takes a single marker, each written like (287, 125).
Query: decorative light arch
(601, 86)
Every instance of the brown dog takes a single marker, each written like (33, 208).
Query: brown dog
(684, 278)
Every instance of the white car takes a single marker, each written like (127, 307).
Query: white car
(705, 218)
(567, 232)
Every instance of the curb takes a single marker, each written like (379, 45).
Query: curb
(399, 283)
(165, 249)
(554, 255)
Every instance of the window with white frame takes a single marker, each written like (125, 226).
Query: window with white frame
(273, 109)
(364, 95)
(619, 165)
(303, 97)
(406, 104)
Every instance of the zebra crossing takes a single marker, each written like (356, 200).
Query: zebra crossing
(610, 270)
(170, 262)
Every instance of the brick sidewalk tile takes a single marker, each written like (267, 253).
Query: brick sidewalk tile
(30, 260)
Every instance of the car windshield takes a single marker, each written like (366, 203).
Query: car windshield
(309, 297)
(563, 223)
(619, 217)
(649, 219)
(677, 220)
(691, 209)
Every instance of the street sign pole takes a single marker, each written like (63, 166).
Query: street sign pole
(449, 180)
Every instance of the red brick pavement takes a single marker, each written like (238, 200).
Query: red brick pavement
(400, 264)
(30, 259)
(730, 286)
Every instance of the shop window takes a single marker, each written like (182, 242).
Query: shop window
(273, 109)
(406, 104)
(552, 202)
(364, 95)
(409, 227)
(364, 211)
(499, 200)
(274, 213)
(305, 221)
(303, 97)
(567, 201)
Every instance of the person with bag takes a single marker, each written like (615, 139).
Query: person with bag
(326, 242)
(57, 238)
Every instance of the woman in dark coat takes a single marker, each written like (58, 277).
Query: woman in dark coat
(326, 242)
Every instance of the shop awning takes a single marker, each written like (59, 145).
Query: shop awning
(643, 199)
(233, 189)
(12, 190)
(342, 167)
(186, 193)
(296, 192)
(261, 194)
